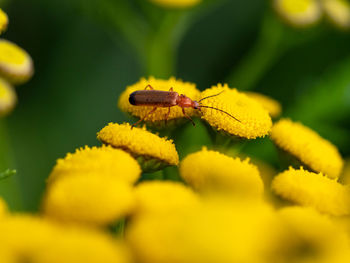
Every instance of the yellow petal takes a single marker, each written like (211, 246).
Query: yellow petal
(307, 146)
(313, 190)
(152, 151)
(103, 161)
(253, 120)
(338, 11)
(15, 63)
(8, 97)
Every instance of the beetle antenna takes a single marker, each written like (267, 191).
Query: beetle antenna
(201, 106)
(211, 96)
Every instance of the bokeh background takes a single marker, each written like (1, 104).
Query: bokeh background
(83, 61)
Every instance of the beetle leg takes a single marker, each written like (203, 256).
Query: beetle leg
(153, 110)
(188, 117)
(166, 116)
(149, 86)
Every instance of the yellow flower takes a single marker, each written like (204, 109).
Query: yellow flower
(3, 207)
(176, 3)
(98, 160)
(27, 238)
(3, 21)
(158, 117)
(313, 190)
(163, 196)
(152, 151)
(15, 64)
(209, 170)
(273, 107)
(89, 199)
(254, 120)
(8, 97)
(213, 232)
(299, 13)
(310, 237)
(307, 146)
(345, 177)
(338, 11)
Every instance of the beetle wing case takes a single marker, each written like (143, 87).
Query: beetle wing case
(156, 98)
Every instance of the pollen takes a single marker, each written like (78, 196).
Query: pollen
(88, 199)
(313, 190)
(273, 107)
(162, 197)
(3, 21)
(161, 114)
(152, 151)
(253, 120)
(104, 161)
(307, 146)
(8, 97)
(299, 13)
(210, 170)
(15, 63)
(176, 3)
(338, 11)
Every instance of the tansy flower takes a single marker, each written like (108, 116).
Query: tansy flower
(27, 238)
(176, 3)
(273, 107)
(338, 11)
(158, 117)
(8, 97)
(313, 190)
(152, 151)
(248, 118)
(307, 146)
(345, 177)
(163, 196)
(310, 237)
(3, 21)
(213, 232)
(299, 13)
(15, 64)
(89, 199)
(103, 161)
(3, 208)
(210, 170)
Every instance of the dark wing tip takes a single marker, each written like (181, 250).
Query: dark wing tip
(132, 99)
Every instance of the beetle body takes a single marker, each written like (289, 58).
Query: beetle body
(167, 99)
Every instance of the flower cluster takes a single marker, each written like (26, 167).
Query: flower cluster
(109, 204)
(303, 13)
(16, 67)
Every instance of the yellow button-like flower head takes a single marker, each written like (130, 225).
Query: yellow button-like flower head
(307, 146)
(3, 21)
(3, 207)
(89, 199)
(103, 161)
(313, 190)
(15, 64)
(338, 11)
(152, 151)
(310, 237)
(176, 3)
(210, 170)
(162, 197)
(33, 239)
(253, 120)
(272, 106)
(299, 13)
(8, 97)
(158, 117)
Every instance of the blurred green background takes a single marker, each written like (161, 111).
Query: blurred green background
(84, 58)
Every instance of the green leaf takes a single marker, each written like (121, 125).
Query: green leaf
(7, 173)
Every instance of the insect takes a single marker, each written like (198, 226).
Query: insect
(167, 99)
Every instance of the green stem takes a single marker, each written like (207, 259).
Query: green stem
(162, 47)
(261, 57)
(9, 187)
